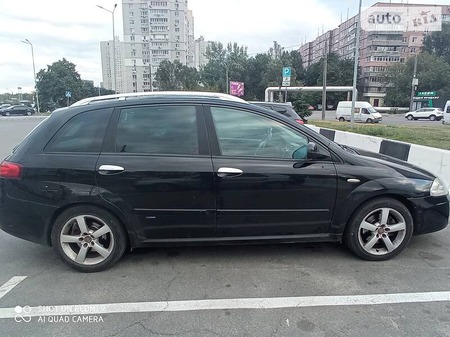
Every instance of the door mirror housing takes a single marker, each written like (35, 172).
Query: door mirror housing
(307, 151)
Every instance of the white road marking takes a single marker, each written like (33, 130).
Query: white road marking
(222, 304)
(8, 286)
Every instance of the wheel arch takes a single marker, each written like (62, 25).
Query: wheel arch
(408, 204)
(130, 239)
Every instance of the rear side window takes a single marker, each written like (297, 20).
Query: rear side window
(158, 130)
(82, 133)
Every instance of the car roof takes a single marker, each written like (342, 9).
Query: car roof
(159, 95)
(272, 103)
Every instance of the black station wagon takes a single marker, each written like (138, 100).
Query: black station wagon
(133, 170)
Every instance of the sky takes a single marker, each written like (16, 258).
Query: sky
(74, 29)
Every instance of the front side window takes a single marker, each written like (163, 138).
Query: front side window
(241, 133)
(82, 133)
(158, 130)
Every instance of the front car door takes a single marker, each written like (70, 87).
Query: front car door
(156, 167)
(261, 190)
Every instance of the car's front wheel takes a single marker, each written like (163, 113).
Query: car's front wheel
(410, 118)
(432, 118)
(88, 238)
(379, 229)
(341, 119)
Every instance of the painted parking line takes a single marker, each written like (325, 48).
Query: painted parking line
(8, 286)
(221, 304)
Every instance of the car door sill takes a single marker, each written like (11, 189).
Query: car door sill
(248, 239)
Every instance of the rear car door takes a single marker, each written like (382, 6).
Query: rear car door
(156, 167)
(261, 190)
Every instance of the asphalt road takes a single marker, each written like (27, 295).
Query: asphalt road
(387, 119)
(299, 290)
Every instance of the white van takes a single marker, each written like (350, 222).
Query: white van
(364, 112)
(446, 119)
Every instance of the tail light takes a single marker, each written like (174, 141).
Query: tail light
(299, 121)
(10, 170)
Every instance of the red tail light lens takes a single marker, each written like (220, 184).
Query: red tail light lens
(299, 121)
(10, 170)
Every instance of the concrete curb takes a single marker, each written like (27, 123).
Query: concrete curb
(437, 161)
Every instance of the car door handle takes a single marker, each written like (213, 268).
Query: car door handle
(110, 169)
(229, 171)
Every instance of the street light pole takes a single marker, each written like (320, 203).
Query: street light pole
(114, 44)
(26, 41)
(355, 69)
(415, 83)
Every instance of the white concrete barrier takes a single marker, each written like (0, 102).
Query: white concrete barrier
(437, 161)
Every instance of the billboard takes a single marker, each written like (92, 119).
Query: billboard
(237, 88)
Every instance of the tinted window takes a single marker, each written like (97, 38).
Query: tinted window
(158, 130)
(242, 133)
(82, 133)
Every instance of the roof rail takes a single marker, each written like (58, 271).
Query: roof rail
(142, 95)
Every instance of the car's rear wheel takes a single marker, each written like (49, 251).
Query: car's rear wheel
(432, 118)
(28, 113)
(410, 118)
(379, 229)
(341, 119)
(88, 238)
(7, 113)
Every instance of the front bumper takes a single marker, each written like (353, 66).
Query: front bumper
(431, 214)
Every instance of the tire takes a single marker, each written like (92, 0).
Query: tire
(28, 113)
(7, 114)
(432, 118)
(410, 118)
(366, 237)
(83, 244)
(341, 119)
(369, 120)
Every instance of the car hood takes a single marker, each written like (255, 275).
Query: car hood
(396, 166)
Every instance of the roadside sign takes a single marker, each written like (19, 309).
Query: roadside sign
(427, 93)
(286, 84)
(286, 78)
(287, 72)
(415, 82)
(68, 94)
(237, 88)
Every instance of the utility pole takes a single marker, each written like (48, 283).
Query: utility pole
(355, 69)
(415, 83)
(324, 90)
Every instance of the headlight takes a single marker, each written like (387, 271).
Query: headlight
(438, 188)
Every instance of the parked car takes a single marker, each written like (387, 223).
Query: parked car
(433, 114)
(364, 112)
(446, 119)
(135, 170)
(18, 110)
(285, 109)
(4, 106)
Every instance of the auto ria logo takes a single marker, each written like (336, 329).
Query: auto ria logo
(402, 18)
(22, 314)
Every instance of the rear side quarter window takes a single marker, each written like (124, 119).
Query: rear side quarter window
(82, 133)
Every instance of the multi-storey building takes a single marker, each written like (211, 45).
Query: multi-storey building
(378, 50)
(200, 58)
(154, 31)
(106, 50)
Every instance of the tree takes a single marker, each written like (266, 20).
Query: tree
(339, 73)
(433, 73)
(60, 76)
(176, 76)
(231, 59)
(438, 43)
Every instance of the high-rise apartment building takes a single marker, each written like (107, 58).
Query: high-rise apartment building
(200, 46)
(378, 50)
(154, 31)
(106, 50)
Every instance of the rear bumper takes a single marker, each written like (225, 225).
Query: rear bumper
(432, 214)
(25, 220)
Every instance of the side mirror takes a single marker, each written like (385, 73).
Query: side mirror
(312, 147)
